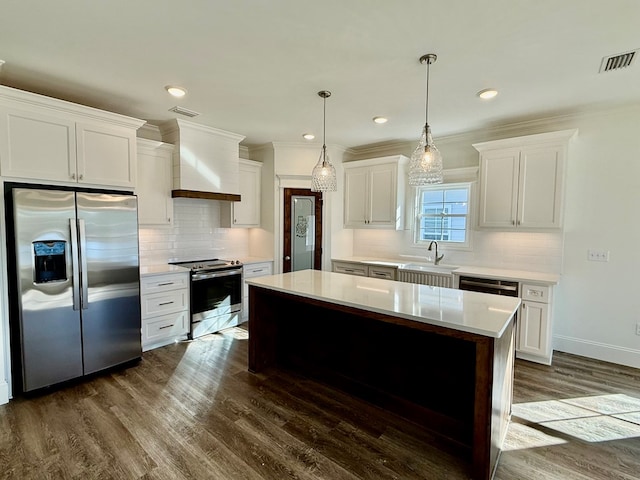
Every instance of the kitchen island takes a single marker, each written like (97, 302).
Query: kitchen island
(440, 357)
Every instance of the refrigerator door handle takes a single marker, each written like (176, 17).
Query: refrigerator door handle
(84, 274)
(75, 287)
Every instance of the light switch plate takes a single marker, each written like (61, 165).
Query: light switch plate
(597, 255)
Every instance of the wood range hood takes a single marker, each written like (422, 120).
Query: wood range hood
(206, 161)
(228, 197)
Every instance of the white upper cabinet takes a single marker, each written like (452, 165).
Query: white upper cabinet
(52, 157)
(155, 205)
(522, 181)
(106, 155)
(51, 140)
(374, 195)
(246, 212)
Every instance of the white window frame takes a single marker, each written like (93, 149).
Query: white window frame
(466, 245)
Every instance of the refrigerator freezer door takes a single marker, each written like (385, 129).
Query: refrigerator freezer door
(108, 231)
(49, 326)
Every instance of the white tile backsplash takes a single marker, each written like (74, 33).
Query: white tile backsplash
(536, 252)
(195, 234)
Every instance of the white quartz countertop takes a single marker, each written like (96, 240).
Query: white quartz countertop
(483, 272)
(150, 270)
(507, 274)
(252, 260)
(471, 312)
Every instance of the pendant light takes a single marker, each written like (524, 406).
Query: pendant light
(323, 178)
(425, 167)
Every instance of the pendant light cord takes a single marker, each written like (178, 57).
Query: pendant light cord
(324, 128)
(426, 108)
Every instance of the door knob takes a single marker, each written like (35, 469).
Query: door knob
(287, 258)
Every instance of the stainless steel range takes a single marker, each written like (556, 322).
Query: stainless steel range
(216, 294)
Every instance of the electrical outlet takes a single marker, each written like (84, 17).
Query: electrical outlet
(598, 255)
(638, 328)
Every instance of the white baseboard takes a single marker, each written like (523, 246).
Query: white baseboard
(597, 350)
(4, 393)
(534, 358)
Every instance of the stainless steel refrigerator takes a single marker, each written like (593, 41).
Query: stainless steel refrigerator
(77, 281)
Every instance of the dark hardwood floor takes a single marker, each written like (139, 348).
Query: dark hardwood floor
(191, 410)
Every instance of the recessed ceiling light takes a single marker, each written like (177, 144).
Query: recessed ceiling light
(176, 91)
(308, 136)
(380, 119)
(487, 93)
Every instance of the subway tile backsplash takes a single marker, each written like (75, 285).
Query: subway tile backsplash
(535, 251)
(195, 234)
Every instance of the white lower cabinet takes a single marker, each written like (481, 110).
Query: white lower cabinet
(252, 270)
(365, 270)
(165, 308)
(533, 341)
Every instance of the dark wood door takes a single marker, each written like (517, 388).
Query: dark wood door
(290, 194)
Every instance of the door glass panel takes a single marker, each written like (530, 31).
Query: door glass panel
(303, 233)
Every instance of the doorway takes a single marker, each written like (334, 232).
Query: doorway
(302, 230)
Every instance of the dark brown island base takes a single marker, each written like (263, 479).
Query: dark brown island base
(442, 358)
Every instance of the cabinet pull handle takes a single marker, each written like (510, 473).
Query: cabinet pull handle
(380, 274)
(165, 303)
(257, 271)
(165, 284)
(166, 326)
(349, 270)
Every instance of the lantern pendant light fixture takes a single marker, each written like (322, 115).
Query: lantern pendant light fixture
(425, 167)
(323, 178)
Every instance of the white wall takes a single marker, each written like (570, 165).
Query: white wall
(597, 304)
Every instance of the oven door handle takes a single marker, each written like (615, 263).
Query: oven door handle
(205, 276)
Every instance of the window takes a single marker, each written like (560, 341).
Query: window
(443, 214)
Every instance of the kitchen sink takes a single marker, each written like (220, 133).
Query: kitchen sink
(430, 268)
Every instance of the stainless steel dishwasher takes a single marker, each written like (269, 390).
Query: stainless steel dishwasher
(507, 288)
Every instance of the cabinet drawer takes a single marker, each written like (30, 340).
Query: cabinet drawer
(257, 269)
(536, 293)
(163, 283)
(351, 269)
(172, 325)
(388, 273)
(164, 302)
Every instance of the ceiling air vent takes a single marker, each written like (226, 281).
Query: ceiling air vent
(616, 62)
(184, 111)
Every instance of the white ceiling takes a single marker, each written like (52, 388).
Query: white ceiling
(254, 67)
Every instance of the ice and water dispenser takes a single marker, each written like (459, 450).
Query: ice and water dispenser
(49, 261)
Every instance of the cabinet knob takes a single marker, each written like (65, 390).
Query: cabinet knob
(73, 176)
(80, 177)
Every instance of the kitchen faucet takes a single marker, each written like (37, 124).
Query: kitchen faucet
(437, 259)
